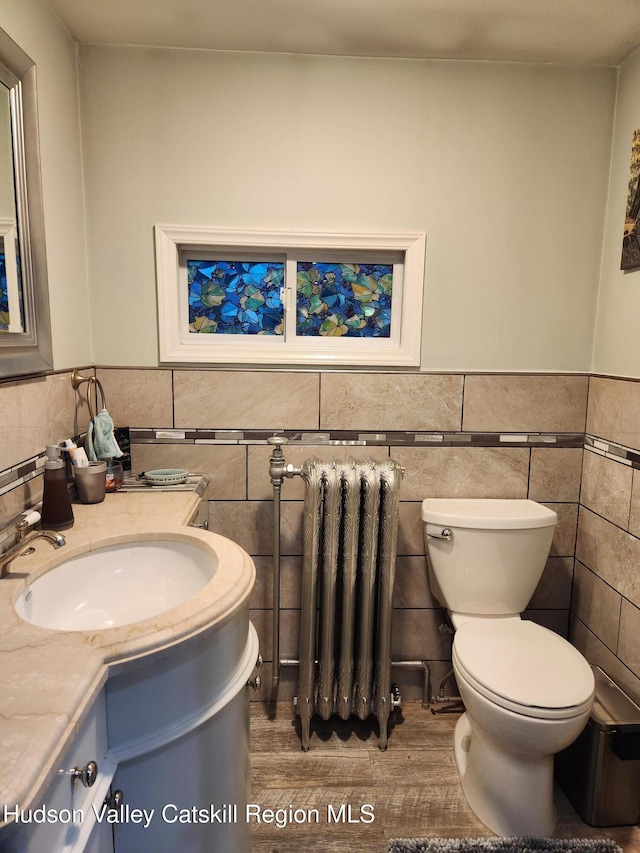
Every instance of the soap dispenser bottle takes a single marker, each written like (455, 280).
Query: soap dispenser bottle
(56, 503)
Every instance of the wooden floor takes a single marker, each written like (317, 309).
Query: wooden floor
(413, 787)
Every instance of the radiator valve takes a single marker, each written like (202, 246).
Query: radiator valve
(396, 697)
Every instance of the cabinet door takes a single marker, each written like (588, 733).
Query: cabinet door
(194, 790)
(101, 839)
(69, 807)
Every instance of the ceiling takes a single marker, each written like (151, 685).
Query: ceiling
(602, 32)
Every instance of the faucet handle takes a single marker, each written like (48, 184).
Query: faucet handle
(26, 522)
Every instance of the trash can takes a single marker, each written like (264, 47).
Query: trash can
(600, 771)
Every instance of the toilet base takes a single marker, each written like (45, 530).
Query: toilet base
(511, 794)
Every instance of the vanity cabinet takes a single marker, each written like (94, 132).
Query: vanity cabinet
(170, 723)
(63, 820)
(171, 730)
(179, 732)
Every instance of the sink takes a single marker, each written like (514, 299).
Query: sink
(116, 585)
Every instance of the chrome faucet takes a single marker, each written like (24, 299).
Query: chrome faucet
(23, 545)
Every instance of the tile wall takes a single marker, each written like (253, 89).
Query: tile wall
(605, 610)
(474, 436)
(34, 412)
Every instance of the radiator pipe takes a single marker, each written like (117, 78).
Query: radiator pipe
(427, 699)
(426, 676)
(277, 471)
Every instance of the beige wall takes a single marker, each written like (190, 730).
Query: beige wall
(33, 25)
(504, 166)
(617, 343)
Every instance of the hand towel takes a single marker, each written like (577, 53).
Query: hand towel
(101, 442)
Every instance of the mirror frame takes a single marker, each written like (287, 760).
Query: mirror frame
(29, 351)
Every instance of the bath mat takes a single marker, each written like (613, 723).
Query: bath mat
(503, 845)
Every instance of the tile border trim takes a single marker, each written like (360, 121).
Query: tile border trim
(611, 450)
(357, 437)
(19, 474)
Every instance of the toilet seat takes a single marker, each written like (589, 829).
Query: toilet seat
(523, 667)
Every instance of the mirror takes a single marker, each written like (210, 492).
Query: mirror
(25, 333)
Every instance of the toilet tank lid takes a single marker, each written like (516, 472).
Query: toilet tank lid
(488, 513)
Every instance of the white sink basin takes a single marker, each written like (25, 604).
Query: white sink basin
(116, 585)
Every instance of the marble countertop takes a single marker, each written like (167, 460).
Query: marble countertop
(49, 679)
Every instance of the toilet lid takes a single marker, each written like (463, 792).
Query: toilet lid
(523, 666)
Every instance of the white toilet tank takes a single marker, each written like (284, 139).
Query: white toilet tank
(497, 552)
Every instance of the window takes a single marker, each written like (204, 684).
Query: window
(289, 298)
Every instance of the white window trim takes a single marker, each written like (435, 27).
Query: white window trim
(177, 346)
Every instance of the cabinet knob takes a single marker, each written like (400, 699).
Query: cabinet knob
(115, 801)
(255, 682)
(87, 774)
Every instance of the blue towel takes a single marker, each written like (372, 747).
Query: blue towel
(101, 442)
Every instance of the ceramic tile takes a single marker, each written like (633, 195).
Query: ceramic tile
(611, 553)
(290, 582)
(597, 605)
(629, 641)
(225, 465)
(597, 653)
(410, 529)
(634, 515)
(614, 411)
(469, 472)
(289, 633)
(411, 584)
(542, 403)
(250, 524)
(138, 397)
(555, 474)
(554, 589)
(606, 488)
(555, 620)
(259, 482)
(36, 412)
(564, 537)
(246, 399)
(390, 401)
(21, 498)
(415, 636)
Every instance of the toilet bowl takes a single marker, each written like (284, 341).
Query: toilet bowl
(527, 692)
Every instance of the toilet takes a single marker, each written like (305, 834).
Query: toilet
(527, 692)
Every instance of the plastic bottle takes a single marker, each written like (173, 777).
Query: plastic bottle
(56, 503)
(77, 454)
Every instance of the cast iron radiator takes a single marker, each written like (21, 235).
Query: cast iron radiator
(349, 554)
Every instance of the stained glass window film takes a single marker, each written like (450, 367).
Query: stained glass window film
(234, 297)
(4, 294)
(344, 299)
